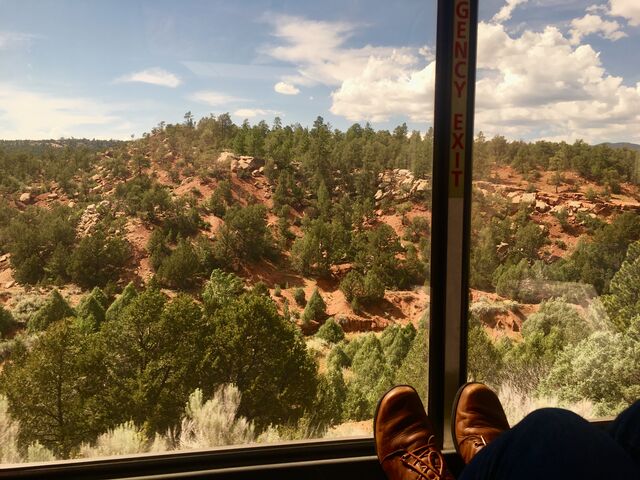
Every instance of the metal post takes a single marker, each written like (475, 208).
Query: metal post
(452, 153)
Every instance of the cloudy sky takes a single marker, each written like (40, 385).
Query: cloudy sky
(553, 69)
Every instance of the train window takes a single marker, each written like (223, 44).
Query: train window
(251, 271)
(555, 249)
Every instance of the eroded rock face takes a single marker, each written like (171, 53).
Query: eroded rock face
(358, 324)
(524, 198)
(226, 158)
(90, 217)
(241, 163)
(400, 184)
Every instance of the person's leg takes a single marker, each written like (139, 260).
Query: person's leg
(552, 443)
(626, 431)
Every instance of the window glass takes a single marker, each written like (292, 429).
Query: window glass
(555, 252)
(250, 271)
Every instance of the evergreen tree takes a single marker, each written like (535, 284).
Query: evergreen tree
(54, 390)
(253, 347)
(623, 302)
(120, 303)
(54, 309)
(222, 288)
(181, 267)
(153, 350)
(329, 402)
(330, 331)
(7, 322)
(315, 309)
(91, 313)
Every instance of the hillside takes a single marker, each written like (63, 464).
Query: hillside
(627, 145)
(280, 273)
(562, 210)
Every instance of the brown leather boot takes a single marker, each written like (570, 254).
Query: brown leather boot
(477, 419)
(405, 443)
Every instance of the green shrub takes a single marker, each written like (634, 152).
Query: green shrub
(414, 369)
(396, 343)
(363, 289)
(315, 309)
(54, 309)
(7, 322)
(260, 288)
(121, 302)
(602, 368)
(337, 358)
(299, 297)
(220, 289)
(98, 259)
(330, 331)
(90, 313)
(180, 269)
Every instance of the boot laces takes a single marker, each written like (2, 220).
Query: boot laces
(478, 441)
(426, 460)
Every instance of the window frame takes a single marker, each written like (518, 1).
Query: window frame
(346, 458)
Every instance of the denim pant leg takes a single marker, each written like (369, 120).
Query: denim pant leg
(626, 431)
(552, 443)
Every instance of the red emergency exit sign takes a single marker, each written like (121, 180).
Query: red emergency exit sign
(459, 92)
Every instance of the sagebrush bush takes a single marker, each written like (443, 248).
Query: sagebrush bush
(9, 430)
(125, 439)
(214, 422)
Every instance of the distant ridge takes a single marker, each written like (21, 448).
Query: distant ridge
(630, 146)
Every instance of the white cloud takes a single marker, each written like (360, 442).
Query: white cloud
(629, 9)
(317, 50)
(541, 85)
(371, 83)
(387, 86)
(153, 76)
(286, 88)
(33, 115)
(590, 24)
(506, 11)
(10, 40)
(531, 84)
(213, 98)
(254, 112)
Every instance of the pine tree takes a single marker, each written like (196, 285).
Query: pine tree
(120, 303)
(55, 308)
(623, 302)
(330, 331)
(90, 313)
(315, 309)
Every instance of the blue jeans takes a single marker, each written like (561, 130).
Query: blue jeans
(552, 443)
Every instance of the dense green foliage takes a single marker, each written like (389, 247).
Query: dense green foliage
(315, 309)
(7, 322)
(76, 374)
(330, 331)
(54, 309)
(142, 363)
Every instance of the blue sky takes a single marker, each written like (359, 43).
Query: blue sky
(108, 69)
